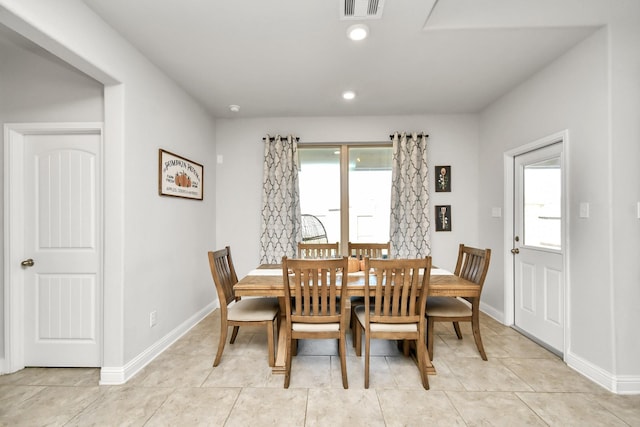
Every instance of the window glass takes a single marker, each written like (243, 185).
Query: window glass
(542, 204)
(319, 181)
(369, 193)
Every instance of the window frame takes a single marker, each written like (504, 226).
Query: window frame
(344, 180)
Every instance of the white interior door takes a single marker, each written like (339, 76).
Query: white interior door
(538, 245)
(62, 249)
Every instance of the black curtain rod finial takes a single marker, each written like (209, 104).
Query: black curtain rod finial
(272, 138)
(420, 134)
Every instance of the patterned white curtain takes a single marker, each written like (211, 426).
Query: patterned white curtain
(410, 225)
(281, 219)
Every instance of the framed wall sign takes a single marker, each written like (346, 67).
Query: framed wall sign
(443, 218)
(179, 177)
(443, 179)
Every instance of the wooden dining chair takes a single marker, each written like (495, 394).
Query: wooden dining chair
(313, 305)
(317, 250)
(237, 312)
(360, 251)
(397, 289)
(472, 264)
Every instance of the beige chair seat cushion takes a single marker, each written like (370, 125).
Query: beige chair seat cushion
(384, 327)
(315, 327)
(447, 307)
(253, 309)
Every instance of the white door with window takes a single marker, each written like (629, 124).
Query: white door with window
(538, 245)
(60, 267)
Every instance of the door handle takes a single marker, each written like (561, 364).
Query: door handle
(27, 263)
(515, 251)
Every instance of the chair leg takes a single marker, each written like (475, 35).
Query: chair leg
(358, 337)
(354, 324)
(287, 371)
(234, 334)
(421, 354)
(342, 349)
(223, 339)
(475, 326)
(270, 342)
(430, 323)
(367, 351)
(406, 348)
(456, 326)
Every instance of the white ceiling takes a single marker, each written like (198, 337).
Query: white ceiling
(292, 57)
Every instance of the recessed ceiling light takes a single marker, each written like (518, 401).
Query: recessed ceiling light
(234, 108)
(358, 32)
(348, 94)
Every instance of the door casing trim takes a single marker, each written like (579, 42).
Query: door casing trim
(14, 134)
(508, 178)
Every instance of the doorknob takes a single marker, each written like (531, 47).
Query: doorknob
(27, 263)
(515, 251)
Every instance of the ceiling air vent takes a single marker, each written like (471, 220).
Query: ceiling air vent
(361, 9)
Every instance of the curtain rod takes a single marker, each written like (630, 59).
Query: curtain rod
(421, 134)
(273, 138)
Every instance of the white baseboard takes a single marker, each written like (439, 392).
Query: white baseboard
(492, 312)
(115, 375)
(112, 376)
(2, 371)
(619, 384)
(627, 384)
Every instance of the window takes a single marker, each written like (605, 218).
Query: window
(347, 187)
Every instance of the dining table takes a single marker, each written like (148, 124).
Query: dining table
(267, 281)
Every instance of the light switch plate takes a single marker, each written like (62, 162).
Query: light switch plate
(584, 210)
(219, 159)
(496, 212)
(153, 318)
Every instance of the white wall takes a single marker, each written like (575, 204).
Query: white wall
(574, 93)
(569, 94)
(155, 246)
(625, 191)
(37, 87)
(453, 140)
(166, 238)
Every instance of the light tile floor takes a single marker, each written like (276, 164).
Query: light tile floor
(520, 384)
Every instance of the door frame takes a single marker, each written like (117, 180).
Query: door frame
(14, 134)
(509, 225)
